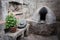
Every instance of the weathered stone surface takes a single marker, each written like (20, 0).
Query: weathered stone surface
(39, 37)
(43, 29)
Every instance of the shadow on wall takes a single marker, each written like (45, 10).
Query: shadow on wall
(44, 14)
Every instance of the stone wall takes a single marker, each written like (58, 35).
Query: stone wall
(0, 11)
(33, 5)
(52, 4)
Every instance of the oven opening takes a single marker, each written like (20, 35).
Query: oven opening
(42, 14)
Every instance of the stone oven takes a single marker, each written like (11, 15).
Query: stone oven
(43, 22)
(44, 14)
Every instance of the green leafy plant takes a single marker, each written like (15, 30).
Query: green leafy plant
(10, 21)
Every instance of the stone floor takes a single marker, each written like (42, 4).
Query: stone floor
(38, 37)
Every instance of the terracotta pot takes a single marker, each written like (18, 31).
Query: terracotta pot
(13, 29)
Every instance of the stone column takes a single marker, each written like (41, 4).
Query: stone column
(3, 13)
(4, 5)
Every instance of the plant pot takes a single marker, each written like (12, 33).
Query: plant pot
(13, 29)
(7, 30)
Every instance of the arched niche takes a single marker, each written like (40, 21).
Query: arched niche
(14, 6)
(17, 9)
(50, 17)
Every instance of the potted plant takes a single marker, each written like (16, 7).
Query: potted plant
(11, 22)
